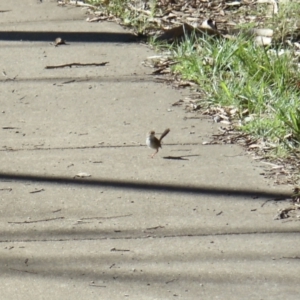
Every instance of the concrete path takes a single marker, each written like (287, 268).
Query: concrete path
(191, 227)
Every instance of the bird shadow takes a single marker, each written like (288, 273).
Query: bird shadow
(180, 157)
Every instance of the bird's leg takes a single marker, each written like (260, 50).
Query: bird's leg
(154, 153)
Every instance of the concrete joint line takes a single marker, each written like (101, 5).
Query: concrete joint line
(91, 147)
(151, 236)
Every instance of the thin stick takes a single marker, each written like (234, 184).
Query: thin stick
(97, 285)
(37, 191)
(37, 221)
(77, 65)
(113, 217)
(22, 271)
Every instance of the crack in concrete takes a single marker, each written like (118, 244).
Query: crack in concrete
(92, 147)
(150, 236)
(60, 81)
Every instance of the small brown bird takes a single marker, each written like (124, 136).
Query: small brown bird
(153, 142)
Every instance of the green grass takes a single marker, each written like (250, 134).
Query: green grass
(286, 22)
(254, 79)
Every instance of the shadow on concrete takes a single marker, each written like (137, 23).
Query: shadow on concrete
(112, 262)
(108, 262)
(146, 186)
(82, 37)
(180, 157)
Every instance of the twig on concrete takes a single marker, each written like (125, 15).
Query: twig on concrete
(156, 227)
(77, 65)
(37, 191)
(22, 271)
(119, 250)
(112, 217)
(70, 81)
(9, 127)
(37, 221)
(97, 19)
(276, 200)
(97, 285)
